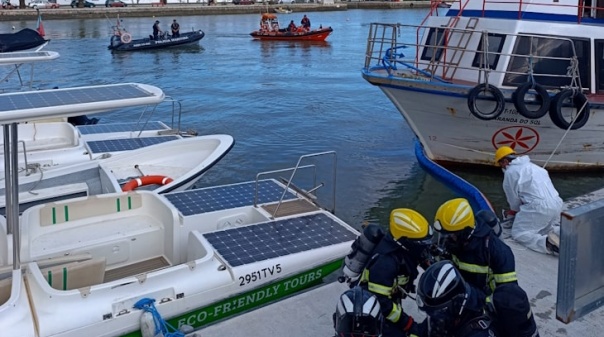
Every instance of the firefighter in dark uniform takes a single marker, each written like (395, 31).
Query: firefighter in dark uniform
(393, 268)
(453, 307)
(486, 263)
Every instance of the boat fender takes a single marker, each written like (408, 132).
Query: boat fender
(542, 98)
(144, 181)
(149, 327)
(152, 324)
(579, 101)
(361, 251)
(483, 91)
(126, 38)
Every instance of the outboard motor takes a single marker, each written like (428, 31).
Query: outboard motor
(489, 218)
(361, 252)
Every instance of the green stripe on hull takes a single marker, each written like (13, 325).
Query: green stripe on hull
(252, 299)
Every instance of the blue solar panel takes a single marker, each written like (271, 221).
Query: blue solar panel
(126, 144)
(23, 54)
(217, 198)
(120, 127)
(53, 98)
(249, 244)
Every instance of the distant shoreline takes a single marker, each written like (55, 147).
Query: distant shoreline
(66, 12)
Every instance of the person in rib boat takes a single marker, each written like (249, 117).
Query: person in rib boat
(533, 200)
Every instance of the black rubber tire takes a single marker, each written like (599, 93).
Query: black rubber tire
(555, 110)
(497, 97)
(542, 97)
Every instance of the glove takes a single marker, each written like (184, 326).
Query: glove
(508, 213)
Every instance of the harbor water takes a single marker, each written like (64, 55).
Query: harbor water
(279, 100)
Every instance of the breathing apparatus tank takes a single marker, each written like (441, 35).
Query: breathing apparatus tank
(361, 251)
(490, 219)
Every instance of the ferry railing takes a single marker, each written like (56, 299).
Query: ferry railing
(310, 193)
(385, 51)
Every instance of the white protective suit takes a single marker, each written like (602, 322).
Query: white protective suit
(530, 192)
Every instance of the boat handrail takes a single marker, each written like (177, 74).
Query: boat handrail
(383, 46)
(582, 10)
(149, 111)
(294, 170)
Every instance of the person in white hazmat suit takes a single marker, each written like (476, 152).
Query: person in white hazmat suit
(533, 200)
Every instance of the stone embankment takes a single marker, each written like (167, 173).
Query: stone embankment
(66, 12)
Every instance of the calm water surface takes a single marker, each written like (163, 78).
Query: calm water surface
(279, 100)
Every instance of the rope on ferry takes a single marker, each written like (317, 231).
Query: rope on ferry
(575, 86)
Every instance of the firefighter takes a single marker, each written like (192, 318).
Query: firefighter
(484, 260)
(391, 271)
(453, 308)
(358, 314)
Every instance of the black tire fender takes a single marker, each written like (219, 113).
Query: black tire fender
(542, 97)
(497, 96)
(555, 110)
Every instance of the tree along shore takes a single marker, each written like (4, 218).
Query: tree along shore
(66, 12)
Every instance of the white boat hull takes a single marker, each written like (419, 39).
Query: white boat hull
(468, 140)
(153, 247)
(182, 160)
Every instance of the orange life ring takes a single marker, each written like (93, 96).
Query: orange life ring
(144, 181)
(126, 38)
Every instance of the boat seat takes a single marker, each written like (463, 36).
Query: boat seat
(76, 275)
(44, 195)
(46, 136)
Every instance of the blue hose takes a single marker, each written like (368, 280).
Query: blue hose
(457, 184)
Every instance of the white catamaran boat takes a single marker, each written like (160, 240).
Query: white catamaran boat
(483, 74)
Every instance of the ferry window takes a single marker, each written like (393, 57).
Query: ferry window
(434, 43)
(549, 61)
(495, 45)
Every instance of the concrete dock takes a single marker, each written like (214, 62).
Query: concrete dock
(310, 313)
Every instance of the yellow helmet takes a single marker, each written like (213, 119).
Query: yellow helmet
(503, 152)
(454, 215)
(407, 223)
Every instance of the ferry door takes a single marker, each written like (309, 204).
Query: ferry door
(599, 49)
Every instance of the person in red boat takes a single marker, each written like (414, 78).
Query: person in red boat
(292, 26)
(305, 22)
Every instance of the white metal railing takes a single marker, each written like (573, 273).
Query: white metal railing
(386, 51)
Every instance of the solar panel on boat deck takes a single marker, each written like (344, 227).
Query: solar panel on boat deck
(121, 127)
(217, 198)
(23, 54)
(249, 244)
(53, 98)
(126, 144)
